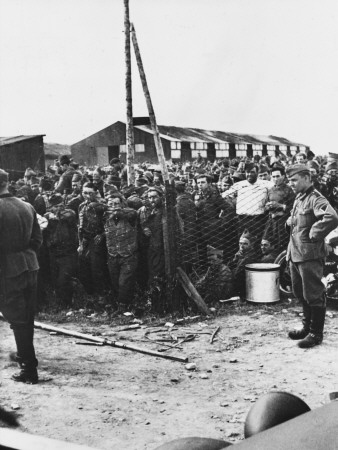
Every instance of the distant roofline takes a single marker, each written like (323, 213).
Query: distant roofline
(12, 139)
(240, 138)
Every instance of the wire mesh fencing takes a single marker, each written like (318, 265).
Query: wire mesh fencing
(217, 235)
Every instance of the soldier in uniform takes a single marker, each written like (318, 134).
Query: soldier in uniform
(65, 183)
(150, 219)
(93, 269)
(279, 204)
(74, 200)
(312, 219)
(62, 242)
(120, 224)
(20, 239)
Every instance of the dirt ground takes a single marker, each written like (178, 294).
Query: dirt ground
(111, 398)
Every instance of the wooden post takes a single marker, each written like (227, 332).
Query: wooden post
(192, 292)
(168, 250)
(154, 127)
(129, 102)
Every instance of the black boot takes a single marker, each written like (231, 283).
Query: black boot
(25, 354)
(315, 336)
(303, 332)
(28, 375)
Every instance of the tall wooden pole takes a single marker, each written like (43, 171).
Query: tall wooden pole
(167, 219)
(154, 127)
(129, 102)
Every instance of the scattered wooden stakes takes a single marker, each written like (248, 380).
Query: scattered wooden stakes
(214, 334)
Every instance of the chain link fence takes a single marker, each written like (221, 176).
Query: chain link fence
(217, 235)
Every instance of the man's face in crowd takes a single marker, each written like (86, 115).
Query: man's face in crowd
(333, 174)
(89, 194)
(76, 186)
(277, 177)
(264, 176)
(157, 180)
(251, 175)
(299, 183)
(202, 183)
(244, 245)
(115, 203)
(154, 199)
(314, 174)
(266, 247)
(300, 159)
(96, 178)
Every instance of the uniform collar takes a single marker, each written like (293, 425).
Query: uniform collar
(306, 193)
(6, 195)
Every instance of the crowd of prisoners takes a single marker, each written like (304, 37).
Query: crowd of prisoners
(108, 234)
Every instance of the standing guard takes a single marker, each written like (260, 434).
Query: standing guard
(312, 219)
(20, 239)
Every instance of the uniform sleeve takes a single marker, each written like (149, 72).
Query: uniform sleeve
(327, 219)
(36, 236)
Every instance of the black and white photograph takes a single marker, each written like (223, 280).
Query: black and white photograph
(168, 224)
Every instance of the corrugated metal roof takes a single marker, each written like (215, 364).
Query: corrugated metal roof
(13, 139)
(148, 129)
(199, 135)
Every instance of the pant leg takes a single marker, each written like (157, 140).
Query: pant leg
(114, 273)
(18, 307)
(297, 282)
(99, 268)
(85, 274)
(128, 267)
(313, 288)
(67, 269)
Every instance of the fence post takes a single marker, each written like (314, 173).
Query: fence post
(130, 147)
(168, 243)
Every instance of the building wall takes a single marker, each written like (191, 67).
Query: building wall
(17, 156)
(98, 148)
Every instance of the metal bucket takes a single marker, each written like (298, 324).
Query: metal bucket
(262, 283)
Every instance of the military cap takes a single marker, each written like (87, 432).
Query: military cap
(250, 166)
(297, 168)
(313, 165)
(147, 174)
(29, 172)
(247, 235)
(203, 174)
(277, 166)
(76, 177)
(156, 189)
(332, 165)
(134, 202)
(141, 181)
(74, 164)
(64, 159)
(114, 161)
(263, 168)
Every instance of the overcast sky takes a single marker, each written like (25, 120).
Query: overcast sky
(260, 67)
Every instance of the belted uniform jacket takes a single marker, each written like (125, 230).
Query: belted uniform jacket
(312, 219)
(20, 236)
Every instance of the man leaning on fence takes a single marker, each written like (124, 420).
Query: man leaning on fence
(20, 238)
(312, 219)
(251, 195)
